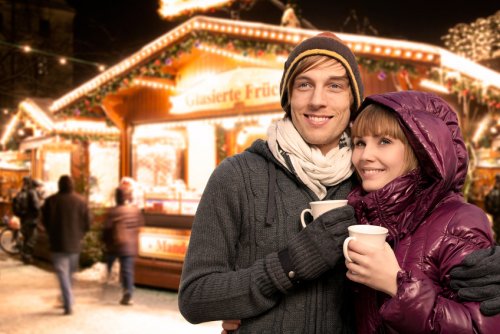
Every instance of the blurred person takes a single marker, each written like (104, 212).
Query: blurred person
(492, 206)
(120, 236)
(26, 205)
(132, 191)
(66, 219)
(411, 159)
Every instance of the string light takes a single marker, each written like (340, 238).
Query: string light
(63, 60)
(173, 8)
(476, 40)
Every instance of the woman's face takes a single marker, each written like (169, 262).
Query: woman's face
(320, 101)
(378, 160)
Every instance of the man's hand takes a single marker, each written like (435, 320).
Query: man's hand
(230, 325)
(477, 278)
(318, 247)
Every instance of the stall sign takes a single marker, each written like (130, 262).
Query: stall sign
(243, 86)
(163, 243)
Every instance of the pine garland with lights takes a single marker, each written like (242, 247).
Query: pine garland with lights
(158, 67)
(89, 106)
(388, 66)
(88, 138)
(465, 87)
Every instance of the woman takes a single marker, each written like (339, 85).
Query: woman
(411, 159)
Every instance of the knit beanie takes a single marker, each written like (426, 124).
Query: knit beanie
(326, 44)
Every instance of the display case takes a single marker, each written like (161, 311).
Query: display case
(184, 203)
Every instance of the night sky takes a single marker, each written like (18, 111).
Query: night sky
(108, 31)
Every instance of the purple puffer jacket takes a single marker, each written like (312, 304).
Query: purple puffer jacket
(431, 228)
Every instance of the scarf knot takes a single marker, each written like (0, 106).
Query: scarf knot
(307, 162)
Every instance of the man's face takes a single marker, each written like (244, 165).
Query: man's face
(320, 101)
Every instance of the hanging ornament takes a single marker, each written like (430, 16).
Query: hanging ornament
(381, 75)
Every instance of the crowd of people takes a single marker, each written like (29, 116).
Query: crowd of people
(398, 158)
(65, 217)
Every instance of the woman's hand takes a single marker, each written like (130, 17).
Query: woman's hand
(373, 267)
(230, 325)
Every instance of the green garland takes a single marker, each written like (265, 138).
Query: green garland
(471, 89)
(390, 66)
(88, 138)
(158, 67)
(90, 105)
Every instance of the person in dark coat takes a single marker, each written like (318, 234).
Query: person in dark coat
(120, 236)
(66, 218)
(248, 256)
(412, 161)
(29, 216)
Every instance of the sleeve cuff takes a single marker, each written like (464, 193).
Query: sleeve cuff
(286, 264)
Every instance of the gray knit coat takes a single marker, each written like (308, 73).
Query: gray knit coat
(249, 211)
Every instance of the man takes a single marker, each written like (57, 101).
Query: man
(248, 257)
(26, 205)
(120, 235)
(492, 206)
(66, 219)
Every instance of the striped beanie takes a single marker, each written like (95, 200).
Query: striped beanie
(326, 44)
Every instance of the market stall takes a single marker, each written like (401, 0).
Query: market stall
(12, 171)
(204, 91)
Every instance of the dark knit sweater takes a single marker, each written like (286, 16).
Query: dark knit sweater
(232, 269)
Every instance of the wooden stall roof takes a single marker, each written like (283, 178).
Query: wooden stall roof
(155, 69)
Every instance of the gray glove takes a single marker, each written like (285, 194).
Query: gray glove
(477, 278)
(318, 247)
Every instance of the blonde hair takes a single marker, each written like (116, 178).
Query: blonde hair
(376, 120)
(307, 64)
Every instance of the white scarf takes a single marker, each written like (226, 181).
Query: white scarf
(315, 170)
